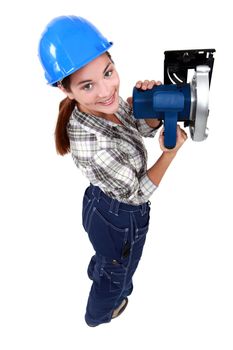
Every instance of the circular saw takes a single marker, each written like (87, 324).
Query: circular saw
(179, 100)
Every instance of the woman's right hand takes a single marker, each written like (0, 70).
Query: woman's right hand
(180, 139)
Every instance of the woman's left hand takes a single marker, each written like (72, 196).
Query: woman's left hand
(144, 85)
(147, 84)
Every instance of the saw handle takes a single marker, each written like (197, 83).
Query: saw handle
(169, 103)
(170, 126)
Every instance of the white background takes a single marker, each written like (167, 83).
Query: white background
(183, 287)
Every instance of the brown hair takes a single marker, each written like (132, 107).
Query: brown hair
(66, 108)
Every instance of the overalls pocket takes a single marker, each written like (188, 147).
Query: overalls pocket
(106, 238)
(115, 273)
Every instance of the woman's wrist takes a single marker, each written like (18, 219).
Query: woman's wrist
(169, 154)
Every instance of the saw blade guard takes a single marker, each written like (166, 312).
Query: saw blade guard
(199, 110)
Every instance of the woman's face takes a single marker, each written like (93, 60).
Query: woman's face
(96, 87)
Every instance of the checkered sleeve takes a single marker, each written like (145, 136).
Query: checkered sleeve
(110, 170)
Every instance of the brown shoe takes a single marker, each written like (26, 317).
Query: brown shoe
(118, 311)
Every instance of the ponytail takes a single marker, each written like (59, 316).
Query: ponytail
(61, 138)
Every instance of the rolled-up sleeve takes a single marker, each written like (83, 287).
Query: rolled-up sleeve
(145, 130)
(109, 170)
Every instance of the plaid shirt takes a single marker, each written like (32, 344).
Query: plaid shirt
(113, 156)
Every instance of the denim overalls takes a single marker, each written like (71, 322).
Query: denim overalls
(117, 232)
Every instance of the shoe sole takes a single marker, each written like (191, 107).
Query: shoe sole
(118, 314)
(122, 309)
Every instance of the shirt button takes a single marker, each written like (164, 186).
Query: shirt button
(115, 262)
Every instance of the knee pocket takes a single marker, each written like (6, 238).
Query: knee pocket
(112, 274)
(116, 279)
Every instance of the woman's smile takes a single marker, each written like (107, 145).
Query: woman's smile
(109, 101)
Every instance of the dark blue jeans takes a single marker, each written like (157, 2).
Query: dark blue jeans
(117, 232)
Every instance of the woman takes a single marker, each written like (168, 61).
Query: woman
(105, 141)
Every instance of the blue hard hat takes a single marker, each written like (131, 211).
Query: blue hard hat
(67, 44)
